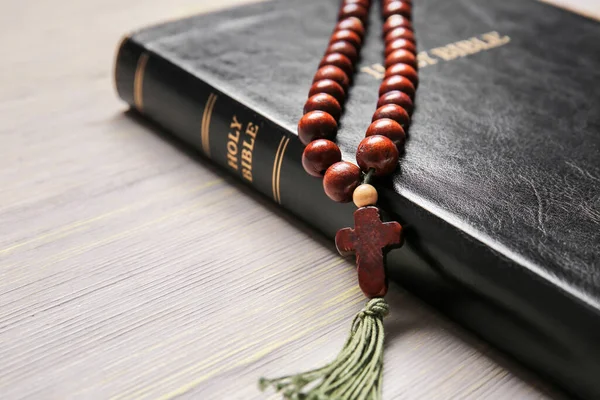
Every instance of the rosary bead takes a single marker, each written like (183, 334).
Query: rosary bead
(323, 102)
(397, 82)
(400, 44)
(316, 125)
(364, 3)
(319, 155)
(352, 24)
(400, 33)
(409, 2)
(401, 56)
(339, 60)
(353, 10)
(340, 180)
(377, 152)
(347, 35)
(345, 48)
(396, 97)
(390, 129)
(396, 21)
(364, 195)
(330, 87)
(404, 70)
(393, 112)
(334, 73)
(396, 7)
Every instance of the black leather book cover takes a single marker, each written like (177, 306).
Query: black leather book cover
(499, 188)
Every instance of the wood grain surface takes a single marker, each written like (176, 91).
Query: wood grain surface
(131, 268)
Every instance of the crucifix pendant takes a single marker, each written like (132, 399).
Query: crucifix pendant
(368, 240)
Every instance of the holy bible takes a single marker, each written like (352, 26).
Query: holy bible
(498, 189)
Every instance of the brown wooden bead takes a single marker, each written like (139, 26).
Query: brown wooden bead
(396, 82)
(385, 2)
(401, 56)
(400, 33)
(323, 102)
(404, 70)
(316, 125)
(396, 97)
(364, 3)
(345, 48)
(347, 35)
(390, 129)
(352, 24)
(330, 87)
(353, 10)
(334, 73)
(396, 8)
(340, 61)
(400, 44)
(377, 152)
(396, 21)
(340, 180)
(393, 112)
(319, 155)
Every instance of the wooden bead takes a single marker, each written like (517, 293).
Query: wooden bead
(404, 70)
(400, 44)
(401, 56)
(396, 8)
(352, 24)
(377, 152)
(365, 3)
(316, 125)
(323, 102)
(334, 73)
(353, 10)
(345, 48)
(364, 195)
(396, 82)
(396, 97)
(386, 2)
(340, 61)
(388, 128)
(400, 33)
(340, 180)
(330, 87)
(393, 112)
(319, 155)
(396, 21)
(349, 36)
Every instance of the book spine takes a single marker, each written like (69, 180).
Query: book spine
(245, 143)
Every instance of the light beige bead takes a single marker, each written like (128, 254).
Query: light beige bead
(364, 195)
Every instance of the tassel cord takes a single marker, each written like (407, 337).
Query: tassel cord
(347, 369)
(366, 371)
(355, 374)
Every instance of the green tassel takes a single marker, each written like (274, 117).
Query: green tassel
(356, 373)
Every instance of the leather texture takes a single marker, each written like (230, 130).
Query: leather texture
(499, 188)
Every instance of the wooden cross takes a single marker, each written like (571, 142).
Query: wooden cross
(368, 240)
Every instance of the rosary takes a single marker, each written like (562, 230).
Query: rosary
(357, 371)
